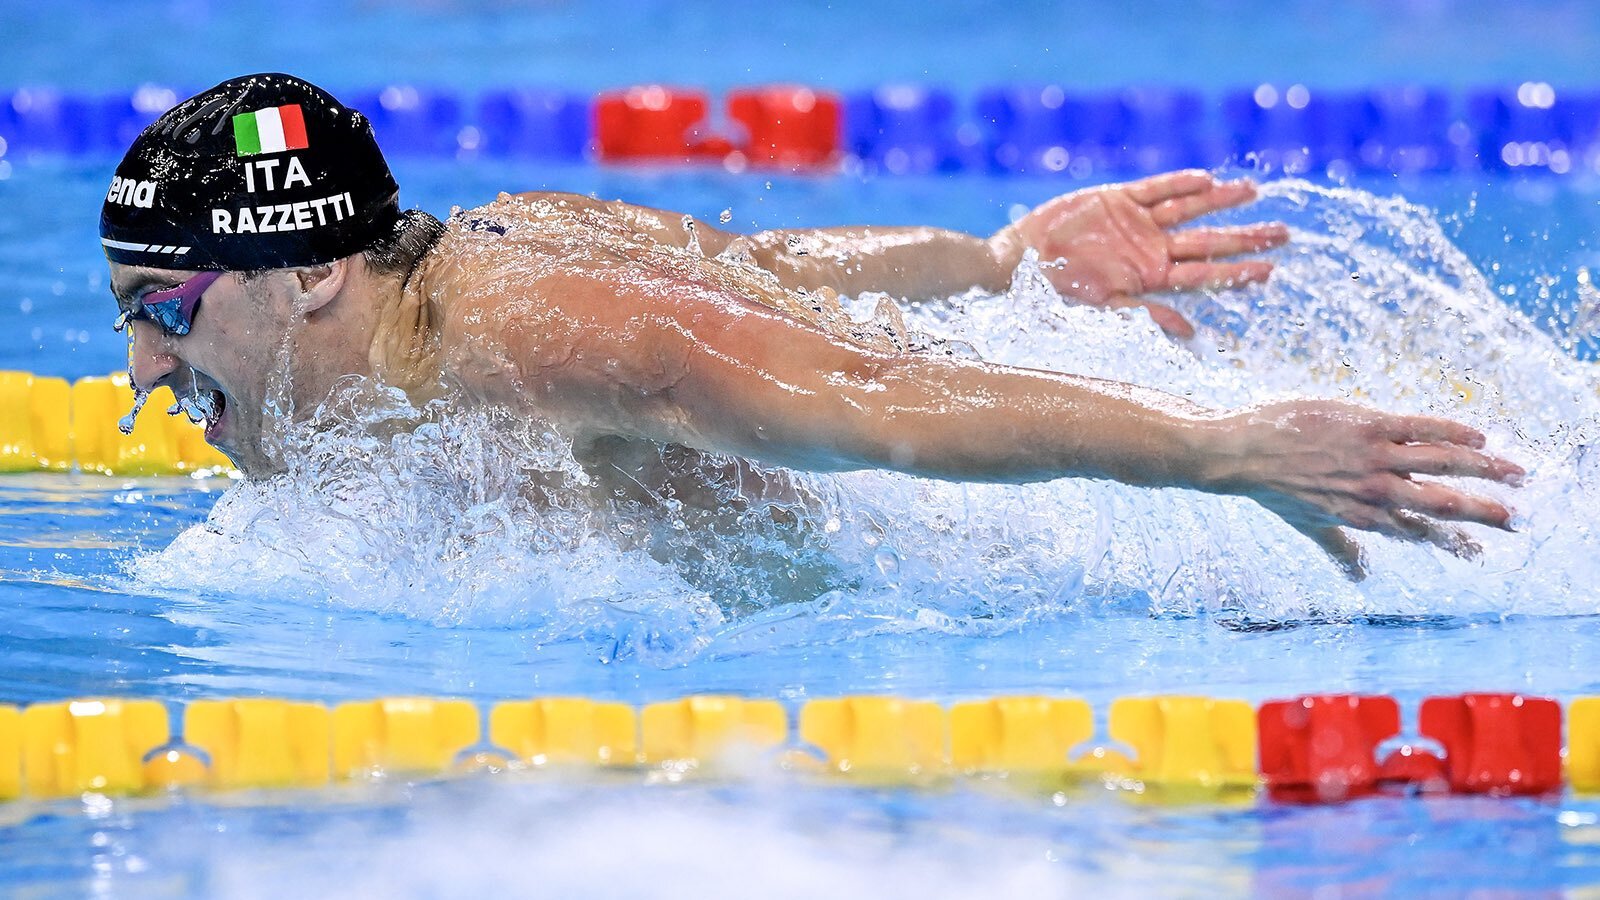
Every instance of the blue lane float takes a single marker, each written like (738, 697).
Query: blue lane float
(46, 120)
(1022, 129)
(1412, 130)
(1533, 126)
(1046, 129)
(1043, 130)
(1165, 130)
(535, 123)
(908, 130)
(1291, 128)
(412, 121)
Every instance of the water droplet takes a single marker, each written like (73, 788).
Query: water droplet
(693, 246)
(197, 409)
(725, 216)
(125, 424)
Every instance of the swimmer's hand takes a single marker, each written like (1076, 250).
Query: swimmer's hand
(1111, 246)
(1323, 466)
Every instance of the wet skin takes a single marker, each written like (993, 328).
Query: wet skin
(632, 331)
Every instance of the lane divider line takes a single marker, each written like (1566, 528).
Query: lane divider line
(1312, 749)
(907, 129)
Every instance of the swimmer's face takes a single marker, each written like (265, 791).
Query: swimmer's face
(235, 344)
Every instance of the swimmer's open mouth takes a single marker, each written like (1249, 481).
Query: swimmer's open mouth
(201, 406)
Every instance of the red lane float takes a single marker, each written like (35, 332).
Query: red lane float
(1500, 744)
(655, 123)
(1413, 769)
(785, 127)
(788, 126)
(1323, 749)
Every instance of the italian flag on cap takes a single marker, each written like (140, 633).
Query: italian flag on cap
(271, 130)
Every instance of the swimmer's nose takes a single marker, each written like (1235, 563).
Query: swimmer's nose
(149, 357)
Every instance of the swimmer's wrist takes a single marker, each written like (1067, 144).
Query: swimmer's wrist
(1219, 455)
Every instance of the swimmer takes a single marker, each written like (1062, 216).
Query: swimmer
(257, 225)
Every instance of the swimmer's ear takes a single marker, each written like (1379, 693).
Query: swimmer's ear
(320, 284)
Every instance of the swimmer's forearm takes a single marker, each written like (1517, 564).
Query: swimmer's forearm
(914, 263)
(991, 423)
(963, 421)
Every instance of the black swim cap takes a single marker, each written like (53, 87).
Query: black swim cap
(260, 172)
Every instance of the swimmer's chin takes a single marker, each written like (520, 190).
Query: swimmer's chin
(249, 458)
(253, 465)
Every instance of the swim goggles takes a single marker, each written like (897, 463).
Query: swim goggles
(172, 309)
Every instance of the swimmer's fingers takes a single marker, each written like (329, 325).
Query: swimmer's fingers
(1217, 243)
(1429, 430)
(1221, 195)
(1453, 460)
(1171, 321)
(1344, 550)
(1169, 186)
(1448, 538)
(1407, 526)
(1210, 276)
(1441, 501)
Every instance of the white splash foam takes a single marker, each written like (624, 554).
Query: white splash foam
(459, 516)
(447, 515)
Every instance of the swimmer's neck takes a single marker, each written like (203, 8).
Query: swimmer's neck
(403, 344)
(375, 325)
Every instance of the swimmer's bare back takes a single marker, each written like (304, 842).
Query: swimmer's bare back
(614, 331)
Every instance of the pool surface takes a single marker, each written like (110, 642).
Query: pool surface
(373, 572)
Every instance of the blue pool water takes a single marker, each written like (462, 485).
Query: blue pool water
(179, 589)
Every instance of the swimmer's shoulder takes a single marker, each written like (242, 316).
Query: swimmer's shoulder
(511, 255)
(530, 206)
(613, 220)
(499, 262)
(484, 237)
(561, 200)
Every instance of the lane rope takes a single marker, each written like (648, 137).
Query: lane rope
(1032, 129)
(1312, 749)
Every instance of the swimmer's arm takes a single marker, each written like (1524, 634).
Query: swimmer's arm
(722, 375)
(622, 353)
(909, 262)
(1114, 246)
(913, 263)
